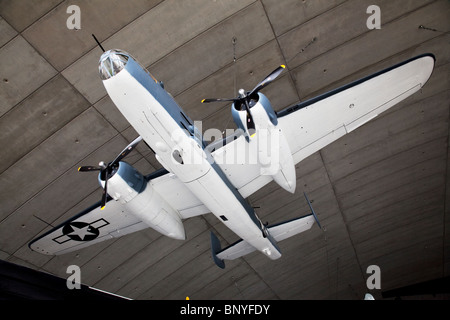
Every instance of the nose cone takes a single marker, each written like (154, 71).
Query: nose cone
(112, 62)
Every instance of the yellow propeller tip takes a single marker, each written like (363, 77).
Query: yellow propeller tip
(203, 100)
(79, 168)
(283, 66)
(102, 208)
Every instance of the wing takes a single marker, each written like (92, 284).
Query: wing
(236, 158)
(94, 225)
(313, 124)
(90, 226)
(178, 195)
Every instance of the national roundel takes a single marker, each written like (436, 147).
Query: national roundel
(80, 231)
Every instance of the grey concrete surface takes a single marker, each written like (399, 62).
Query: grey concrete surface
(381, 192)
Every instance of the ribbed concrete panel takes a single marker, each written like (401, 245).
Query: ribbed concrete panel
(18, 83)
(38, 117)
(67, 45)
(381, 192)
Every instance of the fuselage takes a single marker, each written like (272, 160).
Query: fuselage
(165, 127)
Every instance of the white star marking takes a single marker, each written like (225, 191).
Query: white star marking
(81, 232)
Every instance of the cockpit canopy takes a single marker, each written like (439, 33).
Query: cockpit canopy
(111, 63)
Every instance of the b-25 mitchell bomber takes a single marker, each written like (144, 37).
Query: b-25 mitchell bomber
(197, 179)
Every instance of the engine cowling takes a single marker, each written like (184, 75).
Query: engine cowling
(261, 128)
(129, 186)
(261, 112)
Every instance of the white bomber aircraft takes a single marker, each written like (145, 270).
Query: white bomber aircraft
(197, 179)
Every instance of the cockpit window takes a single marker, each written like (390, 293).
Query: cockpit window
(111, 63)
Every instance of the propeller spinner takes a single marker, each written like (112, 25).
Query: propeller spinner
(107, 169)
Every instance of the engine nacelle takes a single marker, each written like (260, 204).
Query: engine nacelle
(274, 154)
(127, 185)
(261, 110)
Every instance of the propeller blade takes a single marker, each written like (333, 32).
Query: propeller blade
(272, 76)
(243, 96)
(89, 168)
(217, 100)
(126, 151)
(105, 191)
(107, 169)
(250, 122)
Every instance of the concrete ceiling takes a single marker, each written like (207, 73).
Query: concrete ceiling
(381, 192)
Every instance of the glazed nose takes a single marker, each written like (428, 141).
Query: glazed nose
(111, 63)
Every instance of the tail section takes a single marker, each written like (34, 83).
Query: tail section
(277, 232)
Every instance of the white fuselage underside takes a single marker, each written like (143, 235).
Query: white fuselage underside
(153, 114)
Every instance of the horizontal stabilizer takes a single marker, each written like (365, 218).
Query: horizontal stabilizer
(234, 251)
(290, 228)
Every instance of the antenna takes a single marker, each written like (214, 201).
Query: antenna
(98, 42)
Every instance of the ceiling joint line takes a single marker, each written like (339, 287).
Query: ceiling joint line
(342, 216)
(285, 62)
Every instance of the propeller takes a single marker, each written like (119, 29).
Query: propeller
(107, 169)
(244, 95)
